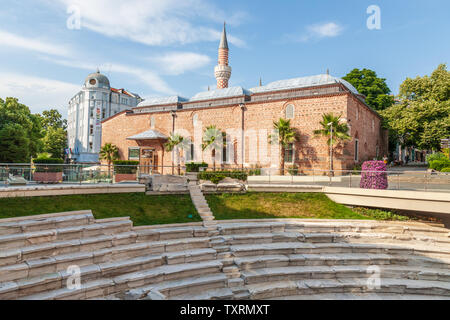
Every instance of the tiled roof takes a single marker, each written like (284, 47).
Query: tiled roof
(161, 101)
(123, 91)
(148, 135)
(220, 93)
(304, 82)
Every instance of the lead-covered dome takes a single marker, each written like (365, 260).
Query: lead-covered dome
(96, 80)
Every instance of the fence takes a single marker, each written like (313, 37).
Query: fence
(82, 174)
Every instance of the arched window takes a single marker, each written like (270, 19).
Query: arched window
(289, 112)
(195, 119)
(152, 122)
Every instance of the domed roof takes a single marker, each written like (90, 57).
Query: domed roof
(96, 80)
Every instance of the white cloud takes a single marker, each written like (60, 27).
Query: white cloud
(317, 32)
(37, 93)
(152, 22)
(329, 29)
(176, 63)
(153, 80)
(32, 44)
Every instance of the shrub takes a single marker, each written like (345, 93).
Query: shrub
(48, 164)
(195, 166)
(213, 176)
(373, 175)
(293, 170)
(378, 214)
(446, 169)
(436, 156)
(125, 166)
(438, 165)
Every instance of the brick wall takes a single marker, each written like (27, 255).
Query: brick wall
(310, 151)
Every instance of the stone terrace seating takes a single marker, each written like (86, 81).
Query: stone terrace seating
(265, 259)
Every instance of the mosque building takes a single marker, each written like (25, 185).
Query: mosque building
(246, 117)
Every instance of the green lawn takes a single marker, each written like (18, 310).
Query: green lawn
(254, 205)
(143, 209)
(148, 210)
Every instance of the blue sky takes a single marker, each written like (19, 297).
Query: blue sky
(166, 47)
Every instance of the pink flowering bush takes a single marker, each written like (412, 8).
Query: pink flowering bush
(374, 175)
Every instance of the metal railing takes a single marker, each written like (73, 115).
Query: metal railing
(26, 173)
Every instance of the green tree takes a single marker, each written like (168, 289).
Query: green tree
(173, 143)
(109, 152)
(213, 139)
(340, 132)
(21, 132)
(284, 135)
(370, 85)
(421, 118)
(55, 132)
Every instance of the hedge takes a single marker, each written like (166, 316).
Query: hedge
(373, 175)
(446, 169)
(48, 164)
(195, 166)
(438, 165)
(125, 166)
(217, 176)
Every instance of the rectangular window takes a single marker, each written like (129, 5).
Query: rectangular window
(356, 150)
(133, 153)
(90, 145)
(289, 153)
(91, 129)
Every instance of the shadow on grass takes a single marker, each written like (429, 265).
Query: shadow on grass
(142, 209)
(254, 205)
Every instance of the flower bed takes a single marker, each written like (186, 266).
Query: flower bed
(374, 175)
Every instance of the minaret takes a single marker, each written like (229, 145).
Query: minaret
(222, 71)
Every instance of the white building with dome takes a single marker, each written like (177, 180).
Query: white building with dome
(96, 101)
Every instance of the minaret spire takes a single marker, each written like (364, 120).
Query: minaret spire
(223, 71)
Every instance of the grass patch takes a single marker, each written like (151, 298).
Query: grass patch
(254, 205)
(142, 209)
(378, 214)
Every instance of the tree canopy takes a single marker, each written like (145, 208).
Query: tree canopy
(374, 88)
(20, 132)
(54, 131)
(421, 118)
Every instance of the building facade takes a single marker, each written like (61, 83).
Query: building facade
(96, 101)
(246, 117)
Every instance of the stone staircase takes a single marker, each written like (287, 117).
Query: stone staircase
(247, 259)
(199, 201)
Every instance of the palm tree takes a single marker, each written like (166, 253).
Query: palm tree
(284, 136)
(173, 143)
(213, 139)
(340, 132)
(109, 152)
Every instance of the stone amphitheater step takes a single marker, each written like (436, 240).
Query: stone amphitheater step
(18, 240)
(168, 233)
(186, 286)
(285, 248)
(339, 286)
(288, 225)
(125, 282)
(45, 222)
(56, 280)
(345, 271)
(50, 249)
(214, 294)
(362, 296)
